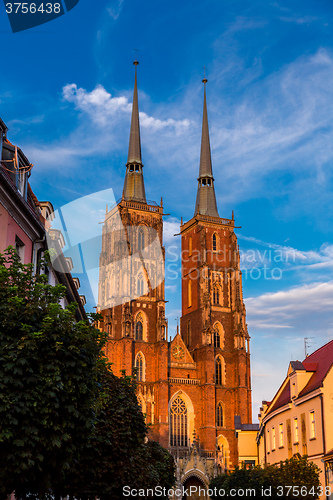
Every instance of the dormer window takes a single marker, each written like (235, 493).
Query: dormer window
(293, 390)
(131, 168)
(137, 168)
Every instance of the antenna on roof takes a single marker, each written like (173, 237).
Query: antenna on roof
(307, 344)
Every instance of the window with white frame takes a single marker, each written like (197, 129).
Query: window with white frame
(280, 435)
(312, 425)
(273, 439)
(295, 430)
(19, 247)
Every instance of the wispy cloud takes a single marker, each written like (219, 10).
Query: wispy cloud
(171, 226)
(115, 9)
(282, 124)
(306, 308)
(275, 253)
(101, 107)
(298, 19)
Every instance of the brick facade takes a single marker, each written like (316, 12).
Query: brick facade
(192, 387)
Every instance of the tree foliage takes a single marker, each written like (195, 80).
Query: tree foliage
(49, 380)
(119, 449)
(68, 426)
(296, 477)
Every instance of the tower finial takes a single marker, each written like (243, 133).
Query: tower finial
(136, 62)
(204, 78)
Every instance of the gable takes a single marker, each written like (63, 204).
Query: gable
(180, 356)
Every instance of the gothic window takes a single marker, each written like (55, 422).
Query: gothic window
(214, 242)
(216, 295)
(217, 338)
(141, 286)
(190, 246)
(219, 368)
(138, 329)
(141, 403)
(188, 339)
(237, 290)
(141, 239)
(178, 423)
(219, 415)
(140, 366)
(189, 293)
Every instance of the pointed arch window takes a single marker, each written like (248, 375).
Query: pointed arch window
(214, 242)
(190, 246)
(189, 293)
(217, 338)
(140, 366)
(141, 239)
(139, 328)
(178, 423)
(188, 336)
(141, 285)
(216, 295)
(219, 415)
(219, 367)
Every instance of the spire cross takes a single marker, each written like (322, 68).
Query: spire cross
(136, 62)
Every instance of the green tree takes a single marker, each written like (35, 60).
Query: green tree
(119, 454)
(296, 477)
(68, 426)
(50, 370)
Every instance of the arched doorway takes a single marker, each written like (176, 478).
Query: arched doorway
(198, 491)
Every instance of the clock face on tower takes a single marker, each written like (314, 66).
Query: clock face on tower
(178, 352)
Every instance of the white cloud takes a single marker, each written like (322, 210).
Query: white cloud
(278, 254)
(281, 123)
(306, 308)
(115, 9)
(171, 226)
(101, 107)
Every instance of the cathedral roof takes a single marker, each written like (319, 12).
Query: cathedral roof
(206, 199)
(134, 188)
(134, 148)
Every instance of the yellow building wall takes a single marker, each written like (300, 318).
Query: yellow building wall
(328, 420)
(306, 444)
(247, 446)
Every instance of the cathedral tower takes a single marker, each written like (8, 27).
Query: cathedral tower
(192, 387)
(213, 323)
(131, 286)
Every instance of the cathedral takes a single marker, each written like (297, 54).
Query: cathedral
(190, 388)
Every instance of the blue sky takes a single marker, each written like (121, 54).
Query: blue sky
(65, 94)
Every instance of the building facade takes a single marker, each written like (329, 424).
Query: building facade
(23, 220)
(299, 418)
(192, 387)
